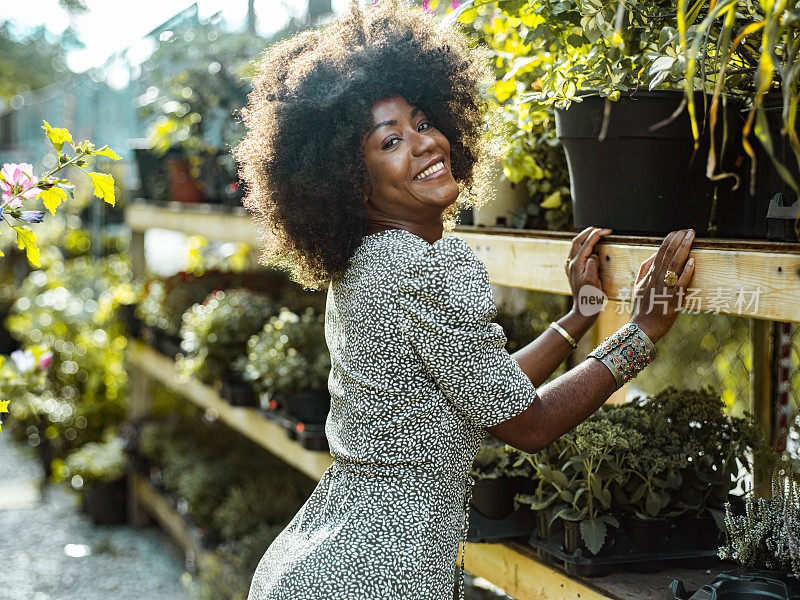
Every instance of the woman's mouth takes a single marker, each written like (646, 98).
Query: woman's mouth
(430, 172)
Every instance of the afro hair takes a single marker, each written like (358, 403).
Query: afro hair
(301, 159)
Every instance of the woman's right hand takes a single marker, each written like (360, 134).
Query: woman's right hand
(656, 305)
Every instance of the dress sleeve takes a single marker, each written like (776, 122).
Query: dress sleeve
(446, 308)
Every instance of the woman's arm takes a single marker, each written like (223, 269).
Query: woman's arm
(568, 400)
(542, 356)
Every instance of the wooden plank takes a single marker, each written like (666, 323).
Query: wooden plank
(762, 397)
(523, 576)
(246, 420)
(727, 280)
(157, 506)
(209, 221)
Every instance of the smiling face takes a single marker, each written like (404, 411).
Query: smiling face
(408, 161)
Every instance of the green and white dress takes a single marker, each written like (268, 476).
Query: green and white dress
(418, 370)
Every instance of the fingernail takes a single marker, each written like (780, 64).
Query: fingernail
(691, 261)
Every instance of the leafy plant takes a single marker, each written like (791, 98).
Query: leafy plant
(217, 331)
(767, 536)
(288, 355)
(495, 459)
(99, 461)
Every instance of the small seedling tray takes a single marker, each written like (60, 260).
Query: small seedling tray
(622, 553)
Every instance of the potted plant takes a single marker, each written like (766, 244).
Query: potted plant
(614, 78)
(288, 362)
(500, 474)
(756, 51)
(216, 332)
(765, 541)
(97, 470)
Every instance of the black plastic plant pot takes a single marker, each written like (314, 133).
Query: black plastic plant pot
(106, 502)
(237, 392)
(701, 531)
(516, 526)
(544, 528)
(574, 544)
(771, 212)
(494, 498)
(648, 534)
(742, 585)
(310, 406)
(311, 437)
(639, 180)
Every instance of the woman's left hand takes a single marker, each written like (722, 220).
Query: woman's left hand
(583, 264)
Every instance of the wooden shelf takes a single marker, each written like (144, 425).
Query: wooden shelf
(247, 421)
(158, 507)
(223, 224)
(516, 569)
(763, 276)
(736, 277)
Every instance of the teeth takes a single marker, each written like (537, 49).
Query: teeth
(437, 167)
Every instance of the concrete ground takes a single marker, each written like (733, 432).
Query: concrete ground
(52, 551)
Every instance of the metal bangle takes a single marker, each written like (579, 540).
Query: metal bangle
(625, 352)
(564, 333)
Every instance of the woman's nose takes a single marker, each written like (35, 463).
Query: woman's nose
(421, 143)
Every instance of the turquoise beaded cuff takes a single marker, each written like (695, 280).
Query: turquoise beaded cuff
(625, 352)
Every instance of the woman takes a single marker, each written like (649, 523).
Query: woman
(364, 140)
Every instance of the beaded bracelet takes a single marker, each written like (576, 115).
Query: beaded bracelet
(625, 352)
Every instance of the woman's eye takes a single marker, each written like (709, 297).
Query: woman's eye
(424, 125)
(390, 143)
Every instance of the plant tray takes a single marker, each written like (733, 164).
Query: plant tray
(519, 524)
(622, 553)
(742, 585)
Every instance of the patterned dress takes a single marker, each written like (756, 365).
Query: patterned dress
(418, 369)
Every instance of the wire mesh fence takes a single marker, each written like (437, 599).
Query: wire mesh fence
(701, 350)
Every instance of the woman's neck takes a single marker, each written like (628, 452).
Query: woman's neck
(430, 232)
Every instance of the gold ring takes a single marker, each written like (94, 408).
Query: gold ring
(566, 264)
(670, 278)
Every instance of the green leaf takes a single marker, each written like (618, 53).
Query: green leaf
(106, 151)
(103, 186)
(26, 240)
(58, 136)
(593, 532)
(53, 198)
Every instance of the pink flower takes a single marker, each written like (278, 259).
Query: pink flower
(44, 360)
(454, 4)
(426, 5)
(18, 182)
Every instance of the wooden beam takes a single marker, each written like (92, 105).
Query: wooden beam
(157, 506)
(761, 395)
(524, 577)
(728, 279)
(211, 222)
(246, 420)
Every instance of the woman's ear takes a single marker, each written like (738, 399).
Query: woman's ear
(366, 190)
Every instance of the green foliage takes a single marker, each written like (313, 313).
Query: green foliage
(71, 309)
(212, 469)
(288, 355)
(655, 457)
(495, 459)
(534, 156)
(217, 331)
(165, 300)
(99, 461)
(767, 536)
(200, 74)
